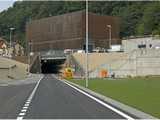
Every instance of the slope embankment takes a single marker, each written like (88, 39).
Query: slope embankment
(11, 69)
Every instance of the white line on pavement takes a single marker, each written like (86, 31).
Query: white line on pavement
(24, 110)
(101, 102)
(28, 101)
(22, 114)
(19, 118)
(25, 107)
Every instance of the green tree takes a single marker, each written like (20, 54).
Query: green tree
(150, 22)
(24, 11)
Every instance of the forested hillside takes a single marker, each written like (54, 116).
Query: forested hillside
(137, 18)
(25, 11)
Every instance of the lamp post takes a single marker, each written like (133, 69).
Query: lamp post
(11, 29)
(28, 51)
(30, 54)
(110, 35)
(86, 72)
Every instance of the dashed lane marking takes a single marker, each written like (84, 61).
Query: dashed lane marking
(24, 110)
(28, 101)
(21, 114)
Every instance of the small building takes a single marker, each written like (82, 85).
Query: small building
(3, 47)
(18, 50)
(147, 42)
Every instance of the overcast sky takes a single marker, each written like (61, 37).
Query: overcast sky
(5, 4)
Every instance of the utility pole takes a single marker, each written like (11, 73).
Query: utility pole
(86, 74)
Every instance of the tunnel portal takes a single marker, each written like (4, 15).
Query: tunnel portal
(51, 66)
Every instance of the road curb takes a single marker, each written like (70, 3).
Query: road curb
(124, 107)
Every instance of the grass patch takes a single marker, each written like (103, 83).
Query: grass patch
(141, 92)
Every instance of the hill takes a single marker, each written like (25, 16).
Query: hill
(137, 18)
(24, 11)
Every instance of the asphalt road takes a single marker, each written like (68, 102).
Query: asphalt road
(12, 99)
(53, 99)
(56, 100)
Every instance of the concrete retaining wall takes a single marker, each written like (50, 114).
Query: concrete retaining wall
(136, 63)
(18, 70)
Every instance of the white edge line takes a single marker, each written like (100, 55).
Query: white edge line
(29, 99)
(101, 102)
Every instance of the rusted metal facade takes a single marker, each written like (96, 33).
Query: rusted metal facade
(68, 31)
(99, 32)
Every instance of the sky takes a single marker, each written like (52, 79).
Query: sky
(5, 4)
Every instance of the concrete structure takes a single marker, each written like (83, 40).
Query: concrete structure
(67, 31)
(3, 47)
(134, 61)
(129, 45)
(11, 69)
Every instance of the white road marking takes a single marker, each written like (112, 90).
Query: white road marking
(25, 107)
(19, 118)
(21, 114)
(28, 101)
(101, 102)
(24, 110)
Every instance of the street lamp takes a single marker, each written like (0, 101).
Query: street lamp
(11, 29)
(30, 54)
(110, 35)
(29, 60)
(86, 72)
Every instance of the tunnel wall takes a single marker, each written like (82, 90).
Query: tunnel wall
(35, 67)
(52, 66)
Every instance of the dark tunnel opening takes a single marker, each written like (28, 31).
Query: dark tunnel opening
(51, 66)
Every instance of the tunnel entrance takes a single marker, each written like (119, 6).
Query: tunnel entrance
(51, 66)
